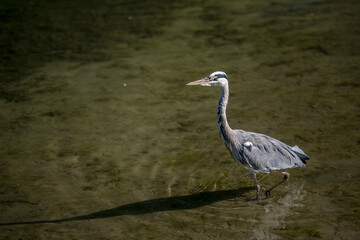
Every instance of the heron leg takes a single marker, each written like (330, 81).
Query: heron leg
(256, 185)
(286, 177)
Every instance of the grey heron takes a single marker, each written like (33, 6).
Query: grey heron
(256, 152)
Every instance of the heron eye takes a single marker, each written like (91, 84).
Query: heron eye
(215, 78)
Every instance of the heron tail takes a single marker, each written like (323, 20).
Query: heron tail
(300, 153)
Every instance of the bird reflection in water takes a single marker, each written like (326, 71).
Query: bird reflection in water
(276, 212)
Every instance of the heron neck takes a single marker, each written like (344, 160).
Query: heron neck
(223, 125)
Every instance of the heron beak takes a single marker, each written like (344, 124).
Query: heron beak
(199, 82)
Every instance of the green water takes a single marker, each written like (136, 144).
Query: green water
(101, 138)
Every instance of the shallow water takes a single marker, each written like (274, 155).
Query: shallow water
(101, 139)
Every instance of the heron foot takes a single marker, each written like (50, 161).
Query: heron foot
(286, 177)
(267, 193)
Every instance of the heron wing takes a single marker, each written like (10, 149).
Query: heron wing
(265, 154)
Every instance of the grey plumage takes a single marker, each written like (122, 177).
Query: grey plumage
(256, 152)
(265, 154)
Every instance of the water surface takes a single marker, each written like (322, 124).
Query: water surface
(101, 139)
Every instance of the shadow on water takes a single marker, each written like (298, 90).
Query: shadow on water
(155, 205)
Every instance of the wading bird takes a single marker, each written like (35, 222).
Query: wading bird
(256, 152)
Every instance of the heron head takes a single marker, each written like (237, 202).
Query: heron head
(217, 78)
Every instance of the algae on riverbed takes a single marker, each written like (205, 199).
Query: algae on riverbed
(98, 125)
